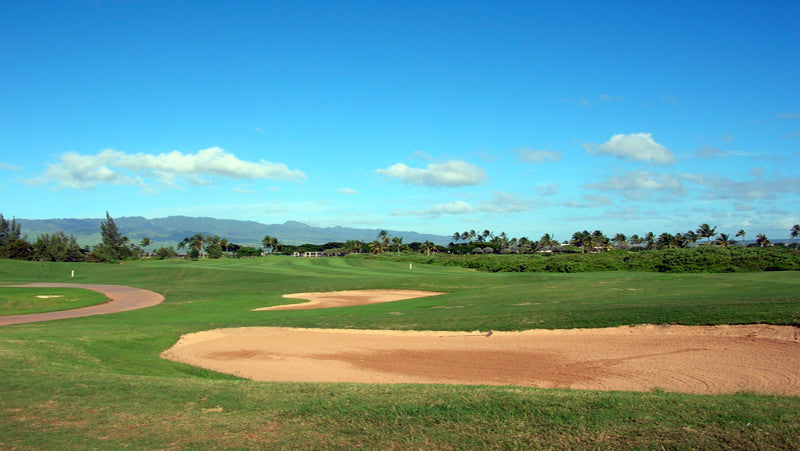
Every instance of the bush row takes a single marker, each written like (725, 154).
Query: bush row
(687, 260)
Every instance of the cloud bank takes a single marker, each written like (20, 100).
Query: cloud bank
(636, 185)
(120, 168)
(537, 156)
(449, 173)
(500, 203)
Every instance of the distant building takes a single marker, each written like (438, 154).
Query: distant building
(308, 254)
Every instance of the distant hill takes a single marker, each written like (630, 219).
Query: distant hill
(171, 230)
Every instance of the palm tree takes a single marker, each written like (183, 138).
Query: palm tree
(501, 240)
(706, 231)
(599, 239)
(650, 240)
(582, 239)
(525, 245)
(665, 240)
(681, 240)
(376, 247)
(619, 239)
(195, 242)
(691, 236)
(456, 237)
(384, 238)
(381, 242)
(428, 246)
(354, 246)
(723, 240)
(741, 233)
(547, 241)
(487, 235)
(795, 233)
(145, 243)
(398, 242)
(762, 240)
(271, 243)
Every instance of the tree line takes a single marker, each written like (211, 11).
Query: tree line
(58, 247)
(115, 247)
(596, 241)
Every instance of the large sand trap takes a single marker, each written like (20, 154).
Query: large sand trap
(698, 359)
(349, 298)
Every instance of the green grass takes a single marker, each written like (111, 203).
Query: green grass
(18, 301)
(98, 382)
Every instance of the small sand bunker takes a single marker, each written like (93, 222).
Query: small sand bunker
(349, 298)
(697, 359)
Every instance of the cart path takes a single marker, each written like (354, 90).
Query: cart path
(120, 299)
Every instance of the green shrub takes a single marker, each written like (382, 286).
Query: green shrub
(699, 259)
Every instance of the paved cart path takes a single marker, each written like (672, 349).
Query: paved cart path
(120, 299)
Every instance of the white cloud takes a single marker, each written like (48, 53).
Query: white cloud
(609, 98)
(633, 146)
(348, 191)
(115, 167)
(449, 173)
(547, 190)
(589, 201)
(718, 188)
(452, 208)
(599, 100)
(597, 200)
(640, 184)
(504, 203)
(537, 156)
(712, 152)
(83, 172)
(500, 203)
(9, 167)
(666, 98)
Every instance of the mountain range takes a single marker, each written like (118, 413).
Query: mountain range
(171, 230)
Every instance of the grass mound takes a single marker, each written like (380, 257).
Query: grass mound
(19, 301)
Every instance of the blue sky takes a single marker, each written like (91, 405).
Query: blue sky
(436, 117)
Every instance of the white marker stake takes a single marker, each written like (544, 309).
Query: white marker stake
(72, 273)
(410, 266)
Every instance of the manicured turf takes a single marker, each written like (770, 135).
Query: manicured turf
(98, 382)
(18, 301)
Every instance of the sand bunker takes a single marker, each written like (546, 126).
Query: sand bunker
(349, 298)
(697, 359)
